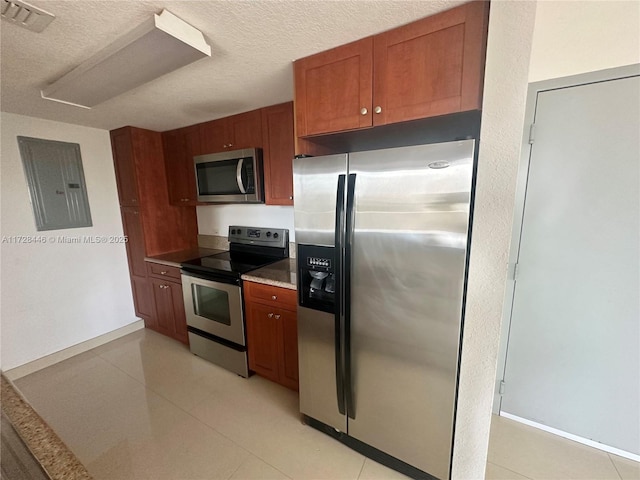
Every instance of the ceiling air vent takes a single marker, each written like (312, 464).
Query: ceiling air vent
(25, 15)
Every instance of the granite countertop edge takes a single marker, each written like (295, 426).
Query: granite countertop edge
(280, 274)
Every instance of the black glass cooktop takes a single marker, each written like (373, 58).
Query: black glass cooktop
(230, 264)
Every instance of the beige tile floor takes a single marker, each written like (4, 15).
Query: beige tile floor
(144, 407)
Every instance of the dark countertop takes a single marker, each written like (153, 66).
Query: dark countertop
(174, 259)
(279, 274)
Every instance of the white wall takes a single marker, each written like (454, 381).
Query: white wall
(56, 295)
(215, 219)
(507, 70)
(572, 37)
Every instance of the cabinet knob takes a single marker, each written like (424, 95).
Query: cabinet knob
(274, 297)
(277, 317)
(378, 109)
(290, 198)
(270, 315)
(364, 111)
(163, 272)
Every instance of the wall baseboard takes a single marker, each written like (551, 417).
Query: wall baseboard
(44, 362)
(575, 438)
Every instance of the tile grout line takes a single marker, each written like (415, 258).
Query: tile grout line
(614, 465)
(188, 412)
(364, 459)
(509, 469)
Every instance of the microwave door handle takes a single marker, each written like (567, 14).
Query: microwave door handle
(239, 176)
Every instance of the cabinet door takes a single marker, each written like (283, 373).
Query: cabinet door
(214, 136)
(278, 144)
(262, 340)
(288, 349)
(245, 130)
(180, 146)
(143, 300)
(333, 89)
(169, 304)
(124, 163)
(164, 308)
(173, 147)
(174, 292)
(431, 67)
(132, 226)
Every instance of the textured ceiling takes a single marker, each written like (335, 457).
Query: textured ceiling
(253, 44)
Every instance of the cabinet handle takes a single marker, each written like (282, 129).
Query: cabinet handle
(230, 145)
(270, 315)
(274, 297)
(277, 317)
(364, 111)
(163, 272)
(378, 109)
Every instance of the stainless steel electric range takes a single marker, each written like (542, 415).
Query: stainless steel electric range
(212, 290)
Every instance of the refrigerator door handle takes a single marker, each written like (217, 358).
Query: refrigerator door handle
(339, 298)
(349, 229)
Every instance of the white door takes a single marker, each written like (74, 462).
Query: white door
(573, 356)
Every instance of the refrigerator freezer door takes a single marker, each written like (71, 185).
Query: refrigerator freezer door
(315, 183)
(408, 269)
(317, 368)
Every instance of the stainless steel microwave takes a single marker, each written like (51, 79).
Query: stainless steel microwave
(230, 177)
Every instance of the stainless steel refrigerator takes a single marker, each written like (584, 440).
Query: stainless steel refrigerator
(382, 239)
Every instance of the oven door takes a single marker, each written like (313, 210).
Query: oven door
(214, 307)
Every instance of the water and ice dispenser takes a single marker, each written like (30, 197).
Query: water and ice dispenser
(317, 277)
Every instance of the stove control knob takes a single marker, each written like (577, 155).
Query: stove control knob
(268, 234)
(275, 235)
(233, 231)
(239, 232)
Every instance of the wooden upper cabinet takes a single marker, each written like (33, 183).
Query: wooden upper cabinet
(333, 89)
(180, 146)
(125, 168)
(245, 130)
(277, 144)
(431, 67)
(213, 136)
(232, 133)
(166, 228)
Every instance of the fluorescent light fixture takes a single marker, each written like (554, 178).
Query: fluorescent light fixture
(159, 46)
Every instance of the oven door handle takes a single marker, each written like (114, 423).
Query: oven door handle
(239, 176)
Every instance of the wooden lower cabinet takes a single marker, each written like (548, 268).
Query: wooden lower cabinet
(272, 334)
(262, 339)
(169, 318)
(143, 299)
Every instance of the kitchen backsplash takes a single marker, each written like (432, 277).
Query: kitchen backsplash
(221, 243)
